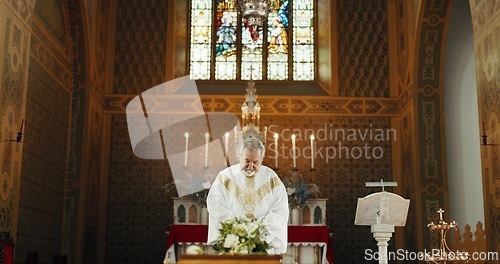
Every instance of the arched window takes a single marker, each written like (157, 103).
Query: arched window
(222, 47)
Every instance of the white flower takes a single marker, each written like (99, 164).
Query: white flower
(243, 250)
(243, 236)
(251, 228)
(240, 229)
(231, 241)
(194, 250)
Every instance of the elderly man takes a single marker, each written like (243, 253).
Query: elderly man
(252, 190)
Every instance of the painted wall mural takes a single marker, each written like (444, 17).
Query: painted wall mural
(486, 26)
(14, 63)
(429, 175)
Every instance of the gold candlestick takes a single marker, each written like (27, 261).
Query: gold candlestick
(444, 254)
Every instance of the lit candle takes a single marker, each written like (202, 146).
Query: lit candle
(293, 150)
(312, 151)
(226, 142)
(207, 136)
(186, 135)
(265, 135)
(276, 149)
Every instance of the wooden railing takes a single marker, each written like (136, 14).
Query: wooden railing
(468, 241)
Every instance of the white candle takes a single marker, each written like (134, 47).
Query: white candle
(186, 135)
(207, 136)
(226, 142)
(235, 137)
(265, 135)
(312, 151)
(276, 149)
(293, 151)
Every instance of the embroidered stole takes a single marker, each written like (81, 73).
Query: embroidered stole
(249, 197)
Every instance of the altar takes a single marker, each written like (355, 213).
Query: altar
(191, 211)
(308, 237)
(306, 243)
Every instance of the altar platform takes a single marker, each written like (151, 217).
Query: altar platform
(228, 259)
(306, 243)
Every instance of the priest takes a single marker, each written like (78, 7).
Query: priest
(252, 190)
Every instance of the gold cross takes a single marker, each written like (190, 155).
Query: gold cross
(440, 211)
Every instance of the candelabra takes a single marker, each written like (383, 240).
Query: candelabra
(444, 254)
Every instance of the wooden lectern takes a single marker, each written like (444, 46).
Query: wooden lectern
(227, 259)
(382, 211)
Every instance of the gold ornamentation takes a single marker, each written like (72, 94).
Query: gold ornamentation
(248, 197)
(444, 254)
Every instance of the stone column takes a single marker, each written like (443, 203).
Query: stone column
(382, 233)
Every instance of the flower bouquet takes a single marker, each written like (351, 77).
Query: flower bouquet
(241, 235)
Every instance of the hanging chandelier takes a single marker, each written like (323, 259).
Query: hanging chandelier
(254, 11)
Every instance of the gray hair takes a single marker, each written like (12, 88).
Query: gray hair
(252, 144)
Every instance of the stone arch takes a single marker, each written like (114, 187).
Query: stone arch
(82, 196)
(429, 175)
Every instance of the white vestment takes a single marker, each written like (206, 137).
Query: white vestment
(263, 195)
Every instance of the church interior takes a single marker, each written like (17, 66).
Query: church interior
(342, 92)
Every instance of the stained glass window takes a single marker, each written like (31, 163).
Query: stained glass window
(201, 39)
(223, 47)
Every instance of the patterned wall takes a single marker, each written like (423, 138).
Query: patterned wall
(139, 211)
(46, 130)
(44, 159)
(363, 49)
(486, 26)
(140, 45)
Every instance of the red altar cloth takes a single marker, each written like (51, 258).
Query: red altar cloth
(199, 234)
